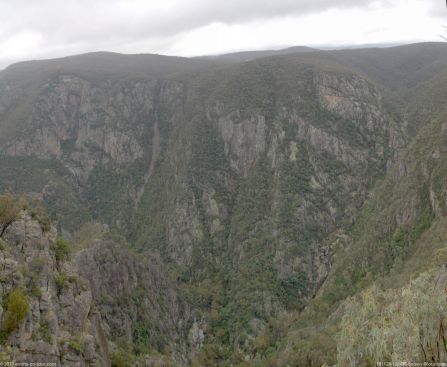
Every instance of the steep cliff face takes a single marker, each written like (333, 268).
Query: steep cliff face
(102, 135)
(394, 253)
(87, 309)
(253, 186)
(309, 197)
(138, 304)
(61, 324)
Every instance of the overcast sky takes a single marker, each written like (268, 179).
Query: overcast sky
(34, 29)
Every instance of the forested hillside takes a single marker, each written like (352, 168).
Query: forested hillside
(252, 209)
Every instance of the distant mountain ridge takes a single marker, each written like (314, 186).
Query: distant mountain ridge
(256, 54)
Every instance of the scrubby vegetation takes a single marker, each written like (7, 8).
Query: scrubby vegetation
(9, 211)
(61, 249)
(16, 308)
(77, 344)
(406, 324)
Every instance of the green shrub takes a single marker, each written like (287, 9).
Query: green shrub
(42, 217)
(36, 292)
(291, 290)
(33, 274)
(45, 331)
(141, 339)
(78, 282)
(45, 223)
(16, 310)
(9, 211)
(37, 265)
(61, 249)
(77, 344)
(120, 358)
(60, 280)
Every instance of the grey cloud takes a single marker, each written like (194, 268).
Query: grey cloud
(438, 9)
(82, 20)
(74, 26)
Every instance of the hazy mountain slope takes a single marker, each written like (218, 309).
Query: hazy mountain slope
(413, 76)
(271, 160)
(397, 67)
(96, 134)
(399, 235)
(105, 64)
(244, 56)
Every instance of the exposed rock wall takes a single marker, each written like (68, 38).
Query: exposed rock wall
(132, 293)
(62, 325)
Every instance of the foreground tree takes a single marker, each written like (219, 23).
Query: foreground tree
(9, 211)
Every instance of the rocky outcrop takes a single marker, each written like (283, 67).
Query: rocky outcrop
(62, 325)
(90, 129)
(78, 309)
(245, 141)
(84, 123)
(136, 299)
(322, 165)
